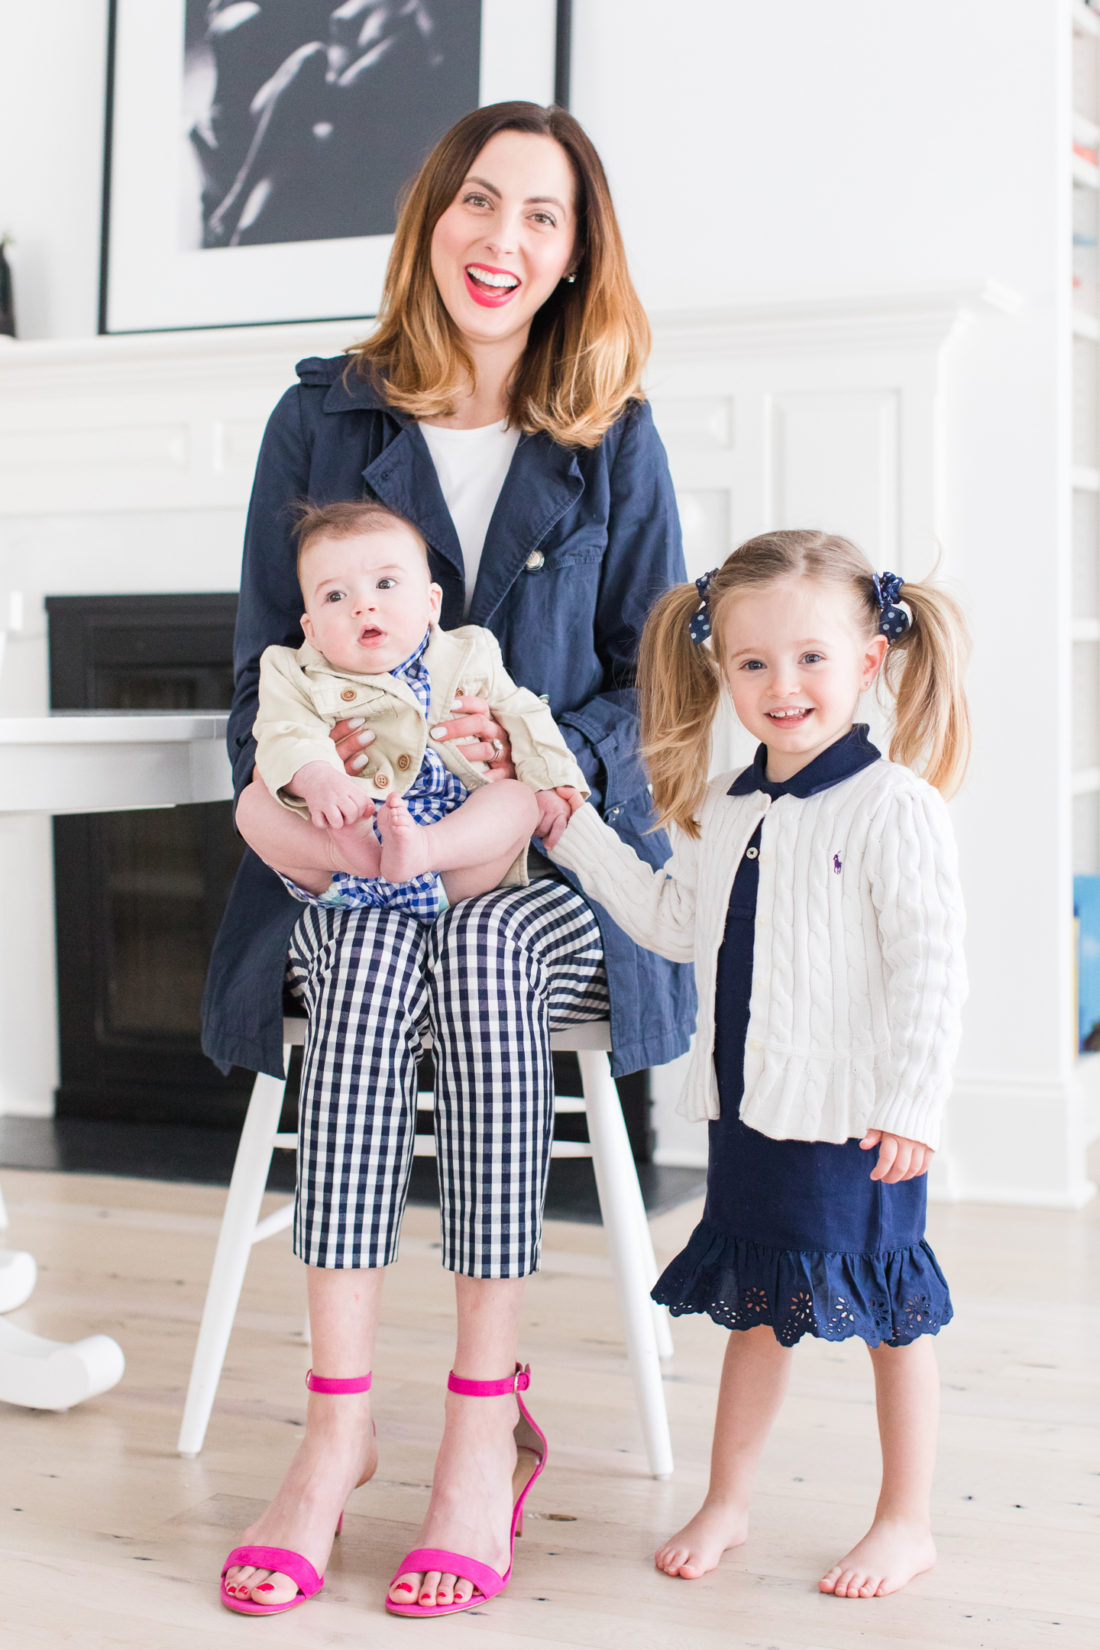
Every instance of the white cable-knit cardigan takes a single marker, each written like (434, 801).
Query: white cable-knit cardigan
(858, 974)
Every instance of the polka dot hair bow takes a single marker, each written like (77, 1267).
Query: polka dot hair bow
(894, 621)
(699, 623)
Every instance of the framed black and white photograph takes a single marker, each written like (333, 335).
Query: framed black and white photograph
(256, 148)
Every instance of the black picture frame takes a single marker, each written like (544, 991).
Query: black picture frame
(154, 279)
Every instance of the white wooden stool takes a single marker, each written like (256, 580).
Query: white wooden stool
(647, 1332)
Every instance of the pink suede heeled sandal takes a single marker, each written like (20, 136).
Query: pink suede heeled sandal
(487, 1581)
(282, 1559)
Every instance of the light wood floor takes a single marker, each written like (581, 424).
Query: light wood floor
(109, 1541)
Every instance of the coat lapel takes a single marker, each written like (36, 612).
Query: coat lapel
(543, 482)
(404, 478)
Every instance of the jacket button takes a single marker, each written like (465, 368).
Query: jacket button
(404, 761)
(348, 695)
(381, 780)
(534, 561)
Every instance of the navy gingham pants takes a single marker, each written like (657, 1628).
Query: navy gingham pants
(488, 980)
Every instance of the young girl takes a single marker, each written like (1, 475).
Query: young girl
(817, 894)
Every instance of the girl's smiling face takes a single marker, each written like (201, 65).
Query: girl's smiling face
(507, 238)
(796, 660)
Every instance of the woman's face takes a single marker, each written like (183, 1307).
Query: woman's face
(506, 239)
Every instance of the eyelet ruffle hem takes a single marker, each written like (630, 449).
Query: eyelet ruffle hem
(887, 1299)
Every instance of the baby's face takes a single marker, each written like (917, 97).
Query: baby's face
(369, 598)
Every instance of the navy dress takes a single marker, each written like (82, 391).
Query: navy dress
(795, 1234)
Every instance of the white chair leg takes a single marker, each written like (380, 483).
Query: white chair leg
(242, 1208)
(631, 1260)
(661, 1325)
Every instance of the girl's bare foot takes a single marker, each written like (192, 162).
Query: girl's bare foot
(337, 1453)
(405, 844)
(890, 1554)
(470, 1510)
(695, 1549)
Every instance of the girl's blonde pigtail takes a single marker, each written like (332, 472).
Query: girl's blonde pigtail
(923, 672)
(678, 684)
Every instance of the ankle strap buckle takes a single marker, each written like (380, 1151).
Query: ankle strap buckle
(517, 1382)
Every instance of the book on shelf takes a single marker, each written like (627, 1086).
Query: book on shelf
(1086, 910)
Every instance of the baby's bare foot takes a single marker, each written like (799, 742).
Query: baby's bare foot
(405, 844)
(356, 849)
(890, 1554)
(695, 1549)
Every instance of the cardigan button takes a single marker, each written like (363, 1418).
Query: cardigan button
(535, 561)
(404, 761)
(381, 780)
(348, 695)
(752, 853)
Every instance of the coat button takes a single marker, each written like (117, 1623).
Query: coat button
(534, 561)
(381, 780)
(404, 761)
(348, 695)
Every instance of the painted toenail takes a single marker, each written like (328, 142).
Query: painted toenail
(266, 1587)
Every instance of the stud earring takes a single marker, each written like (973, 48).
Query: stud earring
(571, 278)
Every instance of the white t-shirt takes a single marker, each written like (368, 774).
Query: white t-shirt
(471, 466)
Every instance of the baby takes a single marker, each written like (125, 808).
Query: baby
(421, 820)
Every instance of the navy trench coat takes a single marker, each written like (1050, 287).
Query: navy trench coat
(580, 544)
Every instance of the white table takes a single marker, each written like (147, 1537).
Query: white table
(73, 762)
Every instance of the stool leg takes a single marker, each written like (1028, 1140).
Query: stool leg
(623, 1217)
(242, 1208)
(665, 1348)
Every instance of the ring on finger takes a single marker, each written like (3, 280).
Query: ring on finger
(498, 748)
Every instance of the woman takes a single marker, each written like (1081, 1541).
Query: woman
(498, 407)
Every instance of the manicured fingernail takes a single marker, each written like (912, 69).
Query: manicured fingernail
(437, 733)
(358, 762)
(456, 704)
(355, 721)
(367, 738)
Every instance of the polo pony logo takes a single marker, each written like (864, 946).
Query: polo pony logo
(837, 866)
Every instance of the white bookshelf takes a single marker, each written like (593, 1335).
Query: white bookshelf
(1084, 617)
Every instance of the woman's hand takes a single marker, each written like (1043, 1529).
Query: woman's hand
(898, 1157)
(482, 740)
(349, 737)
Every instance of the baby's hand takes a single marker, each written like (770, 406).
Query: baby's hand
(555, 811)
(898, 1157)
(332, 798)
